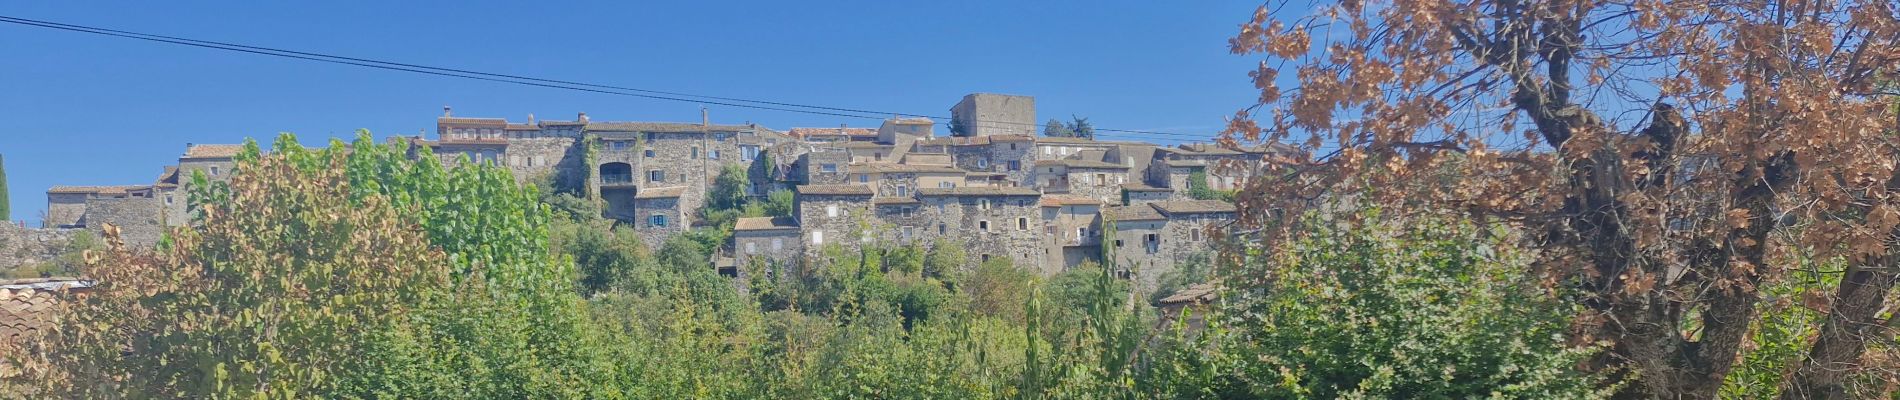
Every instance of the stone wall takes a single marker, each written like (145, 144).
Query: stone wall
(775, 246)
(963, 216)
(21, 246)
(1180, 236)
(64, 209)
(1134, 197)
(667, 207)
(536, 157)
(1102, 184)
(1060, 225)
(846, 228)
(138, 219)
(814, 162)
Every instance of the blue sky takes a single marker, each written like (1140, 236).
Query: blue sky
(82, 109)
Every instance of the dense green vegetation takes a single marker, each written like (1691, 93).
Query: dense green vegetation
(360, 273)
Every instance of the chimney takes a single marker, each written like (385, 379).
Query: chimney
(705, 120)
(446, 112)
(583, 117)
(530, 118)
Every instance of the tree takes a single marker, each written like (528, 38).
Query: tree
(1056, 129)
(6, 209)
(1081, 128)
(1444, 314)
(1665, 146)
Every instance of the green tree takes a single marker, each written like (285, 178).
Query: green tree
(1056, 129)
(1426, 308)
(1080, 127)
(6, 209)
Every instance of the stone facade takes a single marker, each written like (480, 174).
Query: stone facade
(138, 218)
(986, 114)
(774, 241)
(834, 215)
(659, 214)
(998, 190)
(989, 222)
(24, 246)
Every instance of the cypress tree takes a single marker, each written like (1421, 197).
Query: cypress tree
(6, 202)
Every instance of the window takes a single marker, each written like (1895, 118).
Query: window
(829, 168)
(656, 176)
(751, 248)
(214, 170)
(1012, 146)
(877, 156)
(864, 178)
(831, 210)
(1015, 165)
(983, 204)
(982, 163)
(713, 154)
(942, 229)
(986, 258)
(1048, 151)
(778, 243)
(649, 153)
(983, 226)
(1118, 243)
(946, 184)
(618, 145)
(817, 237)
(168, 199)
(908, 233)
(904, 212)
(1101, 179)
(1194, 235)
(657, 220)
(903, 191)
(1022, 224)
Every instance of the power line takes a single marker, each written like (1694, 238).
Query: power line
(531, 81)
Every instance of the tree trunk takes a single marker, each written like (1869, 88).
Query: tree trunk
(1842, 339)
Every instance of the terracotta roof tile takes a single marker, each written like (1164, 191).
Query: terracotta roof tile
(979, 191)
(1068, 200)
(764, 223)
(660, 193)
(1193, 206)
(1139, 212)
(212, 150)
(120, 189)
(663, 127)
(807, 132)
(835, 190)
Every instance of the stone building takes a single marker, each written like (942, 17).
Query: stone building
(772, 240)
(995, 187)
(1072, 230)
(1093, 179)
(987, 114)
(1150, 237)
(659, 214)
(834, 215)
(990, 221)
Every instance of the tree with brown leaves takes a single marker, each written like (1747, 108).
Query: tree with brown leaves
(1666, 158)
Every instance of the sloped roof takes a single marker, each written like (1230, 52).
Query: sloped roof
(484, 122)
(1192, 206)
(1136, 187)
(212, 150)
(1080, 164)
(1068, 200)
(119, 189)
(883, 201)
(170, 176)
(905, 168)
(835, 190)
(807, 132)
(1139, 212)
(764, 224)
(1193, 294)
(979, 191)
(27, 305)
(663, 127)
(660, 193)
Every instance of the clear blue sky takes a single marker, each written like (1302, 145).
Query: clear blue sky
(83, 109)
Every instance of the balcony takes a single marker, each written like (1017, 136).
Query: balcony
(616, 180)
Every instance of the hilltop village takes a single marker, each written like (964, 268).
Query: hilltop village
(993, 185)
